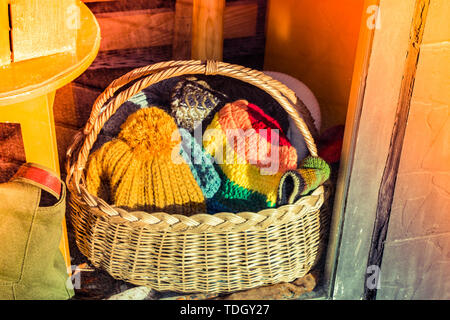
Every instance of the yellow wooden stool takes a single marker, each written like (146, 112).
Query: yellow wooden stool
(27, 91)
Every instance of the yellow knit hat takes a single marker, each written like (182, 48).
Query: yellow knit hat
(142, 168)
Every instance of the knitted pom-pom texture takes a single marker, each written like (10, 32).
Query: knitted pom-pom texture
(157, 94)
(142, 168)
(150, 133)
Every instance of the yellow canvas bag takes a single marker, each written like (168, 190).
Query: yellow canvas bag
(31, 264)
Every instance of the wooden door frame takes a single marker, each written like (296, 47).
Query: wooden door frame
(377, 113)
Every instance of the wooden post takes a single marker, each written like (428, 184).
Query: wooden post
(416, 251)
(370, 122)
(5, 52)
(207, 29)
(356, 100)
(389, 178)
(182, 30)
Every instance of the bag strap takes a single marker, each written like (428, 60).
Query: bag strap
(41, 177)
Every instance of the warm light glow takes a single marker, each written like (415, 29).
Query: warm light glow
(315, 41)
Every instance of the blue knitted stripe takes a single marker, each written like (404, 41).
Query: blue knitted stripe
(201, 164)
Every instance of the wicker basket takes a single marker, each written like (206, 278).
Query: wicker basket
(218, 253)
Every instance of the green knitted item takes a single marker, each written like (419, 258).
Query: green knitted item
(315, 171)
(221, 194)
(294, 184)
(232, 197)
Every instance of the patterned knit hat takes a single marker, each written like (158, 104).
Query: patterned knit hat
(251, 136)
(247, 182)
(193, 101)
(250, 177)
(142, 168)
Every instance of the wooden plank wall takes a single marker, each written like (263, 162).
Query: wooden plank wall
(12, 151)
(155, 24)
(182, 30)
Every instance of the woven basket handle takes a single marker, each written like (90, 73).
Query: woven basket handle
(164, 70)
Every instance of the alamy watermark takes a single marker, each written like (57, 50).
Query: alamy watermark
(234, 146)
(374, 20)
(373, 280)
(73, 17)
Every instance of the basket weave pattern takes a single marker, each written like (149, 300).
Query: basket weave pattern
(218, 253)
